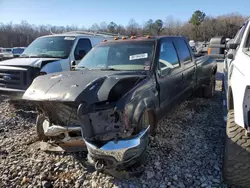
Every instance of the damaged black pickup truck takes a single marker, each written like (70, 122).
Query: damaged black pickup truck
(117, 94)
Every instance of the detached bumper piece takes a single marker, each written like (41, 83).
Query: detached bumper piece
(68, 143)
(115, 157)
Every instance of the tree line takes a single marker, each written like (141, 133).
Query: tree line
(199, 28)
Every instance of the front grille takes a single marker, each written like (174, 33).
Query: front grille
(17, 77)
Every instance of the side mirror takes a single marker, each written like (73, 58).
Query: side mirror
(232, 46)
(80, 54)
(73, 65)
(230, 56)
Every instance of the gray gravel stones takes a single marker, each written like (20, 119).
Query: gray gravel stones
(186, 152)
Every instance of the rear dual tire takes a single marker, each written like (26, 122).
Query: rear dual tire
(209, 91)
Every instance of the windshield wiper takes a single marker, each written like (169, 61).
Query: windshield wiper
(110, 69)
(46, 55)
(23, 55)
(80, 67)
(39, 55)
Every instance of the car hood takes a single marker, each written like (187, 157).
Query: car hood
(90, 86)
(33, 62)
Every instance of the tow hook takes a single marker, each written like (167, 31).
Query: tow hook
(99, 166)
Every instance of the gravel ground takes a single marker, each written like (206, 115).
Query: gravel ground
(187, 152)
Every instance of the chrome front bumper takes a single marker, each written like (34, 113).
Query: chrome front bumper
(119, 153)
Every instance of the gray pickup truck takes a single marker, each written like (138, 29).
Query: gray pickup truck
(45, 55)
(118, 93)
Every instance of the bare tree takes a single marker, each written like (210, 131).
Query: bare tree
(200, 27)
(103, 26)
(132, 28)
(95, 27)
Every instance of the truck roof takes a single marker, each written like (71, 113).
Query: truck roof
(143, 38)
(72, 35)
(89, 34)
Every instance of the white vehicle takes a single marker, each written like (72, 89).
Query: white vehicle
(47, 54)
(5, 53)
(192, 43)
(237, 87)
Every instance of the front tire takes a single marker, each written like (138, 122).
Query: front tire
(236, 165)
(39, 128)
(147, 118)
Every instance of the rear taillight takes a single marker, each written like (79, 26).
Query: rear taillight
(208, 51)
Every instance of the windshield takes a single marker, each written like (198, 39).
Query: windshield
(120, 56)
(7, 50)
(57, 47)
(17, 50)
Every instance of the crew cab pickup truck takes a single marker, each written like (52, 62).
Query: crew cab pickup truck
(47, 54)
(237, 89)
(118, 93)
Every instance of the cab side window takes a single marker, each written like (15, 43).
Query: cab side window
(183, 50)
(82, 48)
(240, 34)
(168, 58)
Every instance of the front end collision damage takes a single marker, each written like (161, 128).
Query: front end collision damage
(118, 154)
(105, 106)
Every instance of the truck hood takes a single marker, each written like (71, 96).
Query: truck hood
(33, 62)
(90, 86)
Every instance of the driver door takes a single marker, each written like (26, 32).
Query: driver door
(170, 74)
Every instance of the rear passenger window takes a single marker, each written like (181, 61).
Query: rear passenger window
(183, 50)
(168, 58)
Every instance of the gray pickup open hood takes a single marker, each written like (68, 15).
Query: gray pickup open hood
(91, 86)
(33, 62)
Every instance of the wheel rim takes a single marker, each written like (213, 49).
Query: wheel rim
(45, 124)
(40, 126)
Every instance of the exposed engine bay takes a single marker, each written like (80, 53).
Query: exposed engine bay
(93, 110)
(62, 121)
